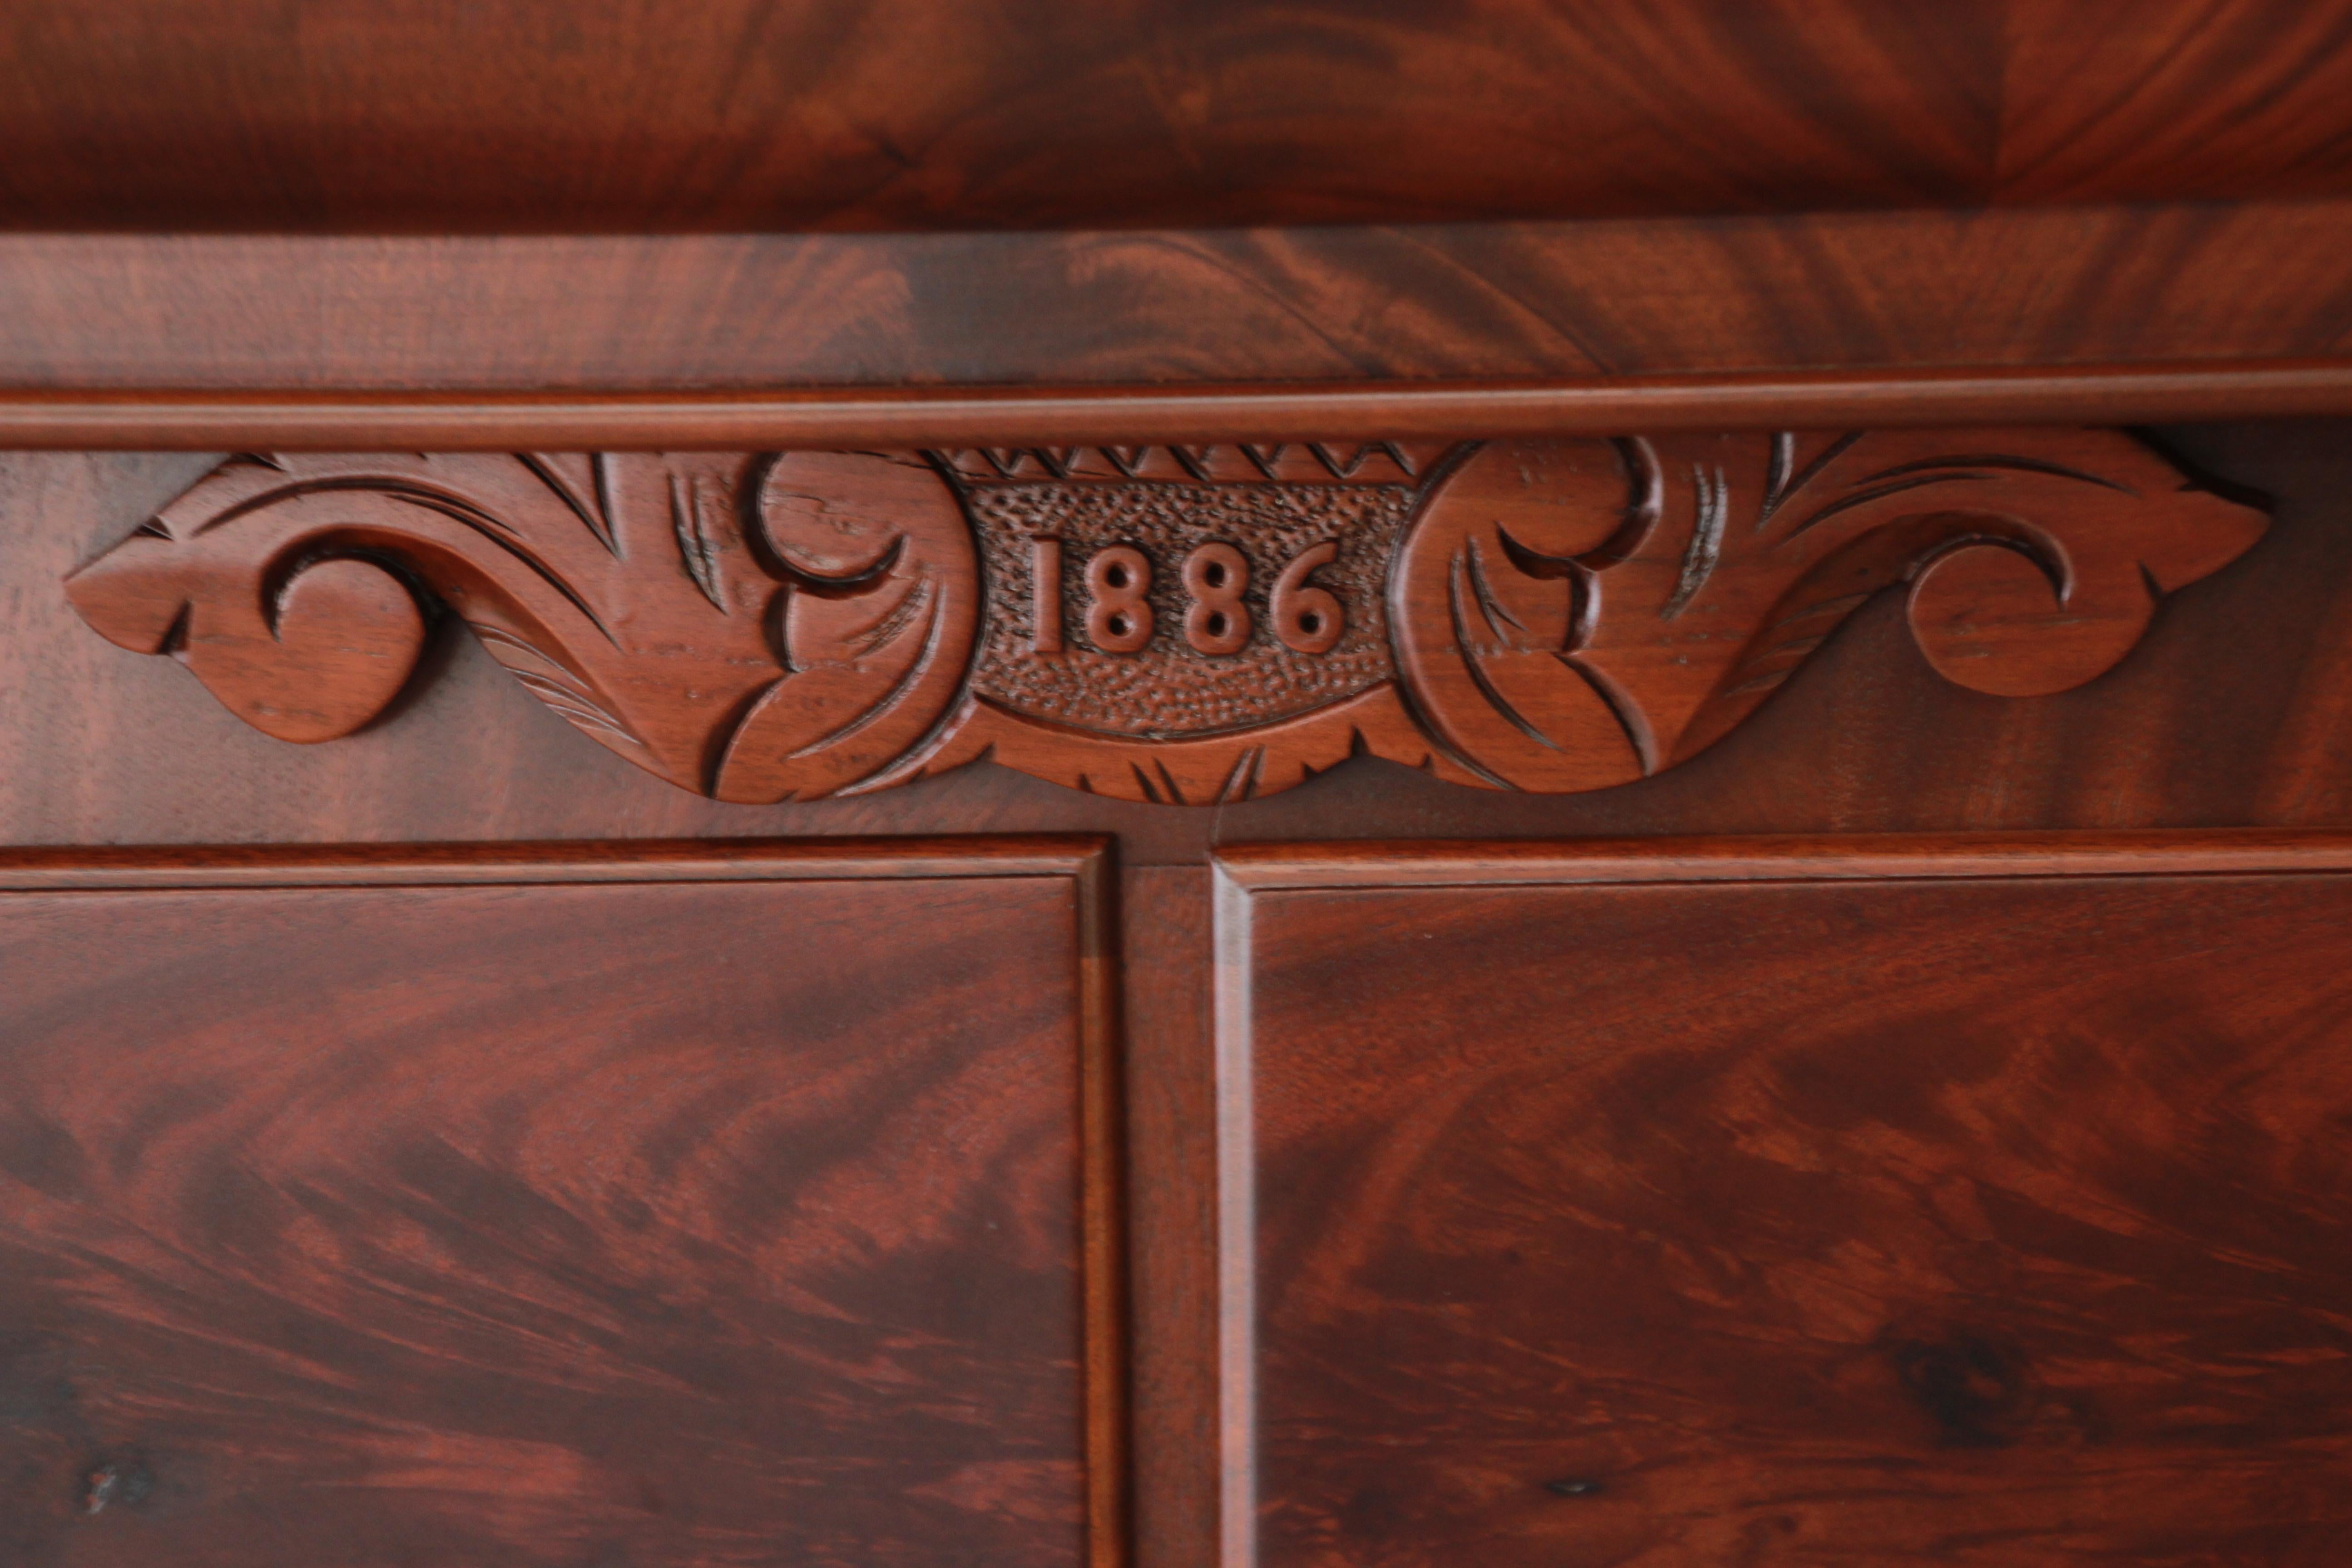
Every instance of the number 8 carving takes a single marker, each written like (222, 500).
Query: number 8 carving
(1119, 617)
(1307, 618)
(1218, 623)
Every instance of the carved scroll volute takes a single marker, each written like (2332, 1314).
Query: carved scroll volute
(1490, 603)
(651, 600)
(532, 552)
(312, 656)
(875, 618)
(1707, 569)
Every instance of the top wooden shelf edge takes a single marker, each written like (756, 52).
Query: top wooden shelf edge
(588, 116)
(2100, 315)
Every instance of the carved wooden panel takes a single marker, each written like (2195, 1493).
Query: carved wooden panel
(1172, 624)
(560, 1207)
(1975, 1201)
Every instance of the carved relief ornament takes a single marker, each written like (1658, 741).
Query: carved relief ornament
(1169, 623)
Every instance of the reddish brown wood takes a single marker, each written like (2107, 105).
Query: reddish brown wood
(627, 593)
(2137, 289)
(1983, 1209)
(1575, 615)
(600, 1218)
(2236, 709)
(990, 416)
(524, 864)
(1217, 621)
(1172, 1122)
(924, 113)
(1854, 857)
(793, 646)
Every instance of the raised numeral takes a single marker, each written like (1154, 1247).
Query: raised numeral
(1307, 618)
(1218, 623)
(1046, 593)
(1119, 617)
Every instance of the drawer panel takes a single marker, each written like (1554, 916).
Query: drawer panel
(1752, 1207)
(724, 1212)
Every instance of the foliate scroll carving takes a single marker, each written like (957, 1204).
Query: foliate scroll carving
(1173, 623)
(1576, 614)
(752, 629)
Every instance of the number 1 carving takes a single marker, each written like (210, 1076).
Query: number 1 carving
(1045, 595)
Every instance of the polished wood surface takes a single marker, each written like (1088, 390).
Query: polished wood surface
(855, 418)
(2231, 711)
(1171, 1191)
(1916, 1213)
(588, 1215)
(1887, 293)
(1777, 857)
(1925, 1192)
(1173, 623)
(732, 115)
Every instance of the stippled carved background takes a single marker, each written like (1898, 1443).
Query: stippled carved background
(1170, 689)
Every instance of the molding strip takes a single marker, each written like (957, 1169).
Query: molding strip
(855, 416)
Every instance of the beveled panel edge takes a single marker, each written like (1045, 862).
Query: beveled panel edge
(1251, 868)
(109, 868)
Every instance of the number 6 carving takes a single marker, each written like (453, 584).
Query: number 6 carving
(1307, 618)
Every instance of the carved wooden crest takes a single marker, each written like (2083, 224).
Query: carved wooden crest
(1173, 623)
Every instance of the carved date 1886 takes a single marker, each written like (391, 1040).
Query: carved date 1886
(1176, 623)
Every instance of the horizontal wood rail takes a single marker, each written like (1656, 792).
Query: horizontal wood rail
(852, 416)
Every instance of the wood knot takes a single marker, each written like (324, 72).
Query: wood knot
(112, 1481)
(1979, 1395)
(1576, 1486)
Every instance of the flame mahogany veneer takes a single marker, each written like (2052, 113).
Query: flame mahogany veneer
(1695, 1202)
(749, 512)
(560, 1208)
(617, 115)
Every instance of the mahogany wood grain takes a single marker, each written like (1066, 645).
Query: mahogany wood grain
(1898, 1208)
(1171, 1126)
(562, 1207)
(2235, 710)
(617, 114)
(2131, 289)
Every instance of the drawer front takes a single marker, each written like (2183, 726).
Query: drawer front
(1771, 1217)
(633, 1217)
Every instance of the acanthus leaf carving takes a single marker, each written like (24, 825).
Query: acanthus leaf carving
(1574, 615)
(1534, 615)
(676, 608)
